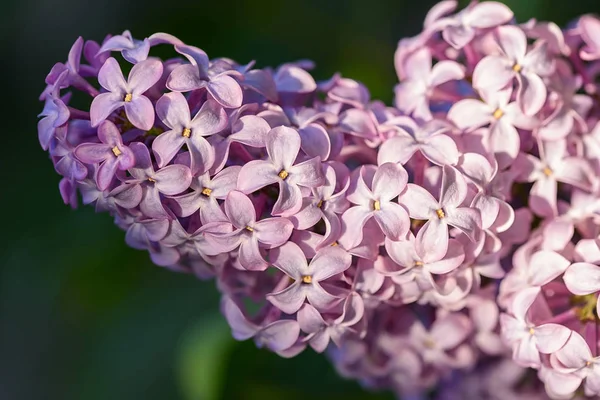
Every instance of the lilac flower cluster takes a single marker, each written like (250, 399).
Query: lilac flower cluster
(424, 245)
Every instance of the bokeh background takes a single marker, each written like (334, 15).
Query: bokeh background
(84, 317)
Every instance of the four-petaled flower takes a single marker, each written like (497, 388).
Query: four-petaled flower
(128, 94)
(249, 232)
(290, 259)
(173, 110)
(283, 145)
(432, 238)
(112, 154)
(514, 61)
(372, 190)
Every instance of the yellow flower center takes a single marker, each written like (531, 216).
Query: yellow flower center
(206, 191)
(547, 171)
(320, 204)
(498, 113)
(517, 67)
(283, 174)
(376, 205)
(531, 331)
(585, 307)
(334, 244)
(429, 343)
(128, 98)
(306, 279)
(419, 263)
(152, 180)
(116, 151)
(440, 213)
(250, 229)
(187, 132)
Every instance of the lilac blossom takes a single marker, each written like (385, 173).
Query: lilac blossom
(197, 75)
(128, 94)
(414, 94)
(430, 139)
(306, 277)
(205, 191)
(111, 153)
(283, 145)
(170, 180)
(173, 110)
(516, 62)
(248, 233)
(433, 236)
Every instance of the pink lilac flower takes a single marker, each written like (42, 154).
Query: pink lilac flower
(500, 116)
(170, 180)
(372, 191)
(196, 75)
(574, 364)
(283, 146)
(248, 233)
(555, 165)
(460, 29)
(527, 338)
(277, 335)
(307, 277)
(134, 50)
(326, 204)
(173, 110)
(516, 62)
(128, 94)
(410, 256)
(414, 93)
(590, 33)
(430, 139)
(321, 331)
(55, 115)
(111, 154)
(435, 344)
(433, 236)
(205, 191)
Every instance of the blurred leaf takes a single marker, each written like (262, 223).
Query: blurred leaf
(202, 358)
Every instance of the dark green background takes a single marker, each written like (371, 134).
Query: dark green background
(82, 316)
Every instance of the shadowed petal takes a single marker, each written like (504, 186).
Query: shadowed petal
(290, 299)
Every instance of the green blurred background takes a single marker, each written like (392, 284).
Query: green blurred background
(82, 316)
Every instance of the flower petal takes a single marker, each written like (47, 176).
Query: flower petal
(140, 112)
(290, 299)
(582, 278)
(144, 75)
(226, 91)
(290, 259)
(419, 202)
(389, 181)
(273, 231)
(432, 239)
(111, 78)
(173, 179)
(255, 175)
(328, 262)
(240, 210)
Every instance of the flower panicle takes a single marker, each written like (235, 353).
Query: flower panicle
(411, 242)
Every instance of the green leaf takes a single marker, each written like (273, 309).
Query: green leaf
(203, 358)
